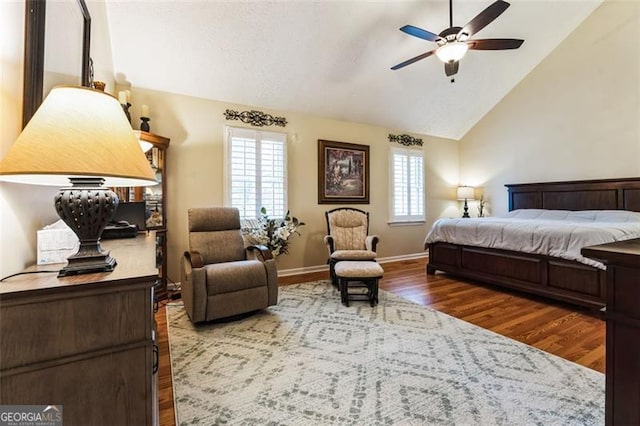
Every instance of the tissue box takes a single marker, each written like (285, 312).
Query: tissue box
(56, 242)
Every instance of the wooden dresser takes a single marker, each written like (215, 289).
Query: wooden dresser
(85, 342)
(623, 329)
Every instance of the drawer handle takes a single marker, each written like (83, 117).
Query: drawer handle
(156, 358)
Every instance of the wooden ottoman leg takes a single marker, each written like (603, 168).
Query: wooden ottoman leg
(332, 272)
(343, 283)
(371, 285)
(374, 292)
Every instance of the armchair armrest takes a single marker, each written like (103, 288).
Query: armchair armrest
(371, 242)
(328, 240)
(194, 286)
(195, 258)
(262, 250)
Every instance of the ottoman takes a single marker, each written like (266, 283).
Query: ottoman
(365, 272)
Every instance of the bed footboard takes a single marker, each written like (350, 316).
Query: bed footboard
(558, 279)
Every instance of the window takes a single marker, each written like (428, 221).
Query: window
(407, 185)
(256, 171)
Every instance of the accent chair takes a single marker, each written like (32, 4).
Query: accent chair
(348, 238)
(220, 276)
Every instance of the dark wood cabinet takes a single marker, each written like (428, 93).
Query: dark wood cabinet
(155, 199)
(85, 342)
(623, 329)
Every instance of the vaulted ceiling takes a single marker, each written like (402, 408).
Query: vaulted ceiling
(332, 58)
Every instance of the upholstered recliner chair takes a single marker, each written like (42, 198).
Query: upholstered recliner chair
(220, 276)
(348, 238)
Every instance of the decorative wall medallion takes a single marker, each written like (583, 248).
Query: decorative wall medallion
(406, 140)
(255, 118)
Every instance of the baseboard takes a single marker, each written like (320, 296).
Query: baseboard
(321, 268)
(303, 270)
(403, 257)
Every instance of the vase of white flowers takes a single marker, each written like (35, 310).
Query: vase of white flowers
(273, 233)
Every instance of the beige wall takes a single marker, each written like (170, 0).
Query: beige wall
(575, 116)
(23, 208)
(195, 174)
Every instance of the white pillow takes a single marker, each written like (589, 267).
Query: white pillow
(525, 213)
(576, 216)
(606, 216)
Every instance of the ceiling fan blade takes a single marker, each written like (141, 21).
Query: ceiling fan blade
(420, 33)
(495, 43)
(483, 19)
(412, 60)
(451, 68)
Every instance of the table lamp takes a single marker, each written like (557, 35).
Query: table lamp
(80, 136)
(466, 193)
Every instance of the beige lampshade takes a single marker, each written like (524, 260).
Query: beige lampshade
(77, 132)
(466, 193)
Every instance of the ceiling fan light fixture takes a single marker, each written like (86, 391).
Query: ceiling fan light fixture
(452, 52)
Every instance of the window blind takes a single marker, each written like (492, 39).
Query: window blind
(256, 172)
(407, 185)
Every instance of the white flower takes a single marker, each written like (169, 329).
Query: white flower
(283, 233)
(272, 233)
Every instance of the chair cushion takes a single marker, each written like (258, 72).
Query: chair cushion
(348, 229)
(215, 233)
(218, 246)
(353, 255)
(348, 269)
(234, 276)
(213, 219)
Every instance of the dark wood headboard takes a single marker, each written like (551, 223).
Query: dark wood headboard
(600, 194)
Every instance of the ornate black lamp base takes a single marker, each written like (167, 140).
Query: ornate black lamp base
(86, 208)
(77, 265)
(466, 209)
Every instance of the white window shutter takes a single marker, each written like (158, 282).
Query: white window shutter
(407, 185)
(256, 172)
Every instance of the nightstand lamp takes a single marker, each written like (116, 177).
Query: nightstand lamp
(82, 136)
(466, 193)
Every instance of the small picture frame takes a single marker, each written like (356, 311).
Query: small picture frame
(343, 173)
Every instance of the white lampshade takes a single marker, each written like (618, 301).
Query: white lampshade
(451, 52)
(466, 193)
(77, 132)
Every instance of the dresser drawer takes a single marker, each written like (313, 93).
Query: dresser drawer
(45, 328)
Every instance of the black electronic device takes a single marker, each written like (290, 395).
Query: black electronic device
(127, 221)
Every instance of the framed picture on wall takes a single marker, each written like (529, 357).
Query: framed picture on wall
(343, 173)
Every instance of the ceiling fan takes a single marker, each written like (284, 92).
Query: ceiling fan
(454, 42)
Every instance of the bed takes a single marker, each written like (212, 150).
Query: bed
(564, 279)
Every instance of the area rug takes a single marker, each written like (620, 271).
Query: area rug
(311, 360)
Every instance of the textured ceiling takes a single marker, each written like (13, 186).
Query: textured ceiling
(332, 58)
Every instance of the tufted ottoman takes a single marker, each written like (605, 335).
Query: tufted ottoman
(366, 272)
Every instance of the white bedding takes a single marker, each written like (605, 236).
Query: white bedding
(557, 233)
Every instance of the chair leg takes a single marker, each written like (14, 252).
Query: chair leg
(332, 273)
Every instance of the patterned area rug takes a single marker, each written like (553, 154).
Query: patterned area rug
(311, 360)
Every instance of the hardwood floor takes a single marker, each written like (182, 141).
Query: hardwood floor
(564, 330)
